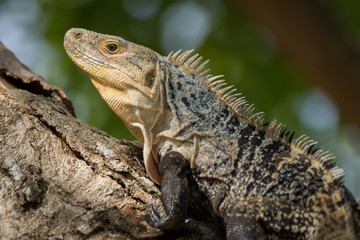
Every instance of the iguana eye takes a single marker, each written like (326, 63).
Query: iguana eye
(112, 47)
(150, 79)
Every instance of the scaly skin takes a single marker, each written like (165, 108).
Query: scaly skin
(260, 182)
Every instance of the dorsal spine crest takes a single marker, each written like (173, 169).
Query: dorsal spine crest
(241, 107)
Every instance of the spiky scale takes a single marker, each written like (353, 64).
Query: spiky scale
(182, 58)
(201, 67)
(190, 60)
(291, 136)
(173, 55)
(211, 79)
(231, 98)
(195, 63)
(224, 90)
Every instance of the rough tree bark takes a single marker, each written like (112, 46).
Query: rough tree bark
(61, 178)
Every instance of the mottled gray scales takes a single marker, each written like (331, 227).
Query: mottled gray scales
(214, 153)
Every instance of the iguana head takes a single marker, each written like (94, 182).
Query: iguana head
(128, 77)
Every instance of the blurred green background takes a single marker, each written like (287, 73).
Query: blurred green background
(247, 53)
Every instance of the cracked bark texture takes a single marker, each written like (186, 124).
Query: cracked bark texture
(61, 178)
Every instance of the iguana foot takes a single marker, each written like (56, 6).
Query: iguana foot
(165, 223)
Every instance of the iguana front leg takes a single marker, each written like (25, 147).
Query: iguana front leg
(175, 193)
(186, 206)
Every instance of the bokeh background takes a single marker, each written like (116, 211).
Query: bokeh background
(238, 43)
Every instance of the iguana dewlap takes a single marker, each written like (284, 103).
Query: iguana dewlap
(257, 179)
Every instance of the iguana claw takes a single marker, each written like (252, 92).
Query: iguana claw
(165, 223)
(152, 220)
(153, 212)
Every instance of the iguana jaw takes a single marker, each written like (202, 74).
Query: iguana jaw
(132, 88)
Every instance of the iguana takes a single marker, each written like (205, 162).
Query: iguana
(261, 183)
